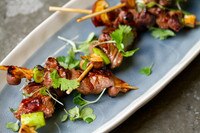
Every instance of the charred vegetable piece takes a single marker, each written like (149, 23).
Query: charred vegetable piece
(190, 20)
(102, 19)
(35, 119)
(102, 55)
(38, 74)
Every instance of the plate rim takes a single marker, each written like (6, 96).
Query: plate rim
(134, 105)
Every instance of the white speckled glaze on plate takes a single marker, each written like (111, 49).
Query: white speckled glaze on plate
(169, 57)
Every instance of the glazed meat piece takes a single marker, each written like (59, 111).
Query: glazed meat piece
(111, 51)
(51, 63)
(32, 87)
(86, 86)
(97, 80)
(15, 74)
(12, 79)
(124, 18)
(100, 79)
(37, 102)
(140, 20)
(170, 20)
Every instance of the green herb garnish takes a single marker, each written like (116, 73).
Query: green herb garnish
(161, 34)
(84, 47)
(64, 117)
(63, 83)
(85, 114)
(68, 62)
(123, 37)
(66, 84)
(13, 126)
(12, 110)
(146, 70)
(78, 100)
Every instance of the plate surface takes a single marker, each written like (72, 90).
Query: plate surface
(169, 57)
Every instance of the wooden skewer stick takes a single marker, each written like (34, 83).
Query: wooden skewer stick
(85, 72)
(127, 87)
(82, 76)
(101, 12)
(63, 9)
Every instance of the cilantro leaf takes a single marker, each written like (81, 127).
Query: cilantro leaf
(74, 113)
(66, 84)
(130, 53)
(79, 100)
(87, 115)
(117, 36)
(12, 110)
(123, 37)
(84, 47)
(161, 34)
(64, 117)
(63, 83)
(13, 126)
(43, 91)
(68, 62)
(55, 79)
(146, 70)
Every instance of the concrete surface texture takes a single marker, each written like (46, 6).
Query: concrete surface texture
(175, 110)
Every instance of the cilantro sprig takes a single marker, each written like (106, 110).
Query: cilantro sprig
(161, 34)
(86, 114)
(146, 70)
(68, 62)
(63, 83)
(82, 113)
(14, 126)
(123, 37)
(84, 46)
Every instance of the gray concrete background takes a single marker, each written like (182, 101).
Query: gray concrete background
(175, 110)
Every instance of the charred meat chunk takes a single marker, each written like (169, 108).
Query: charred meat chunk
(36, 102)
(170, 20)
(111, 51)
(97, 80)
